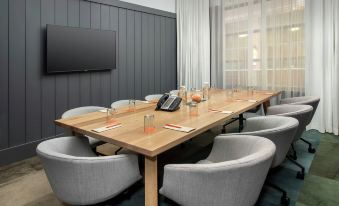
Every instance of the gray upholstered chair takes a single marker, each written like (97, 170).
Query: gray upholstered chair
(153, 97)
(305, 100)
(300, 112)
(79, 111)
(121, 103)
(281, 131)
(233, 173)
(79, 177)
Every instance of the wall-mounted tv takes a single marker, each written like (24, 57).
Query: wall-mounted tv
(71, 49)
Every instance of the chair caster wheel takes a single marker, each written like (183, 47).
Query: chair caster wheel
(294, 157)
(311, 150)
(285, 201)
(301, 175)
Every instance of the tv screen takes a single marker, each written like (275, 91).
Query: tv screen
(71, 49)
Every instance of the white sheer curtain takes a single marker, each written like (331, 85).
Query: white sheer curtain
(322, 61)
(258, 43)
(193, 42)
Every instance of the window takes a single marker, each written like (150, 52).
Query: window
(263, 44)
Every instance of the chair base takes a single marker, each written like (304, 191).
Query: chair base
(284, 200)
(311, 149)
(300, 174)
(294, 155)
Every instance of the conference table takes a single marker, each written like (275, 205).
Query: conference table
(132, 137)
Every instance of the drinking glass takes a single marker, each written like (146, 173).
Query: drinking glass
(110, 115)
(250, 90)
(131, 105)
(205, 91)
(229, 94)
(149, 126)
(183, 94)
(193, 109)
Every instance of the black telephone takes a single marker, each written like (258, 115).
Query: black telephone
(168, 103)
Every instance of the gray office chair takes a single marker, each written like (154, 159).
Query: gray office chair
(79, 111)
(281, 131)
(79, 177)
(121, 103)
(153, 97)
(233, 173)
(300, 112)
(305, 100)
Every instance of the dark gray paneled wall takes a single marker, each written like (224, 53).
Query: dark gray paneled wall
(30, 100)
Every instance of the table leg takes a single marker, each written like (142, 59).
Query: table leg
(151, 181)
(266, 105)
(241, 122)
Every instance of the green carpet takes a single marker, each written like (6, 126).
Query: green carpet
(284, 176)
(321, 186)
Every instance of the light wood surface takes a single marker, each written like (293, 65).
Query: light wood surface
(131, 135)
(151, 181)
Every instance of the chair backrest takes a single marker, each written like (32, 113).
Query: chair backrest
(61, 159)
(80, 111)
(300, 112)
(79, 177)
(255, 156)
(153, 97)
(304, 100)
(121, 103)
(280, 130)
(236, 181)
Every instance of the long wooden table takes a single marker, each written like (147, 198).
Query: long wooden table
(131, 135)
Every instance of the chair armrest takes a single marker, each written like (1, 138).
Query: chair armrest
(90, 176)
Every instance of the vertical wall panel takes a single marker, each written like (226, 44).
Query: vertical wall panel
(137, 56)
(114, 26)
(61, 80)
(163, 57)
(17, 11)
(144, 54)
(73, 16)
(151, 45)
(31, 99)
(85, 79)
(157, 48)
(172, 51)
(130, 54)
(122, 55)
(105, 75)
(47, 81)
(96, 92)
(33, 71)
(4, 74)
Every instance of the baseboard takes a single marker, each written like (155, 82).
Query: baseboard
(20, 152)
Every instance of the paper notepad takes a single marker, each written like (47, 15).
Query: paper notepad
(252, 100)
(179, 128)
(106, 128)
(221, 111)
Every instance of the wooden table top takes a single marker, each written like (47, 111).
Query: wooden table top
(131, 135)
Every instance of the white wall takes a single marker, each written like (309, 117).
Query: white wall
(165, 5)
